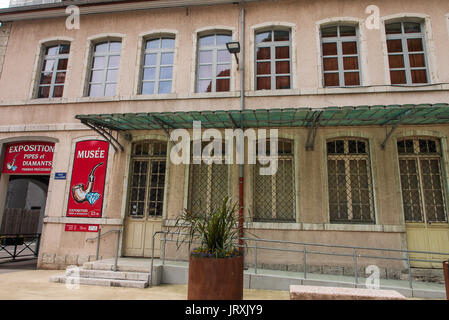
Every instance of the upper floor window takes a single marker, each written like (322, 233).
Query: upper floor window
(340, 56)
(273, 60)
(214, 63)
(104, 69)
(53, 71)
(406, 53)
(349, 181)
(157, 73)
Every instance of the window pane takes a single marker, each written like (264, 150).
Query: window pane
(329, 32)
(263, 68)
(222, 85)
(263, 37)
(419, 76)
(282, 52)
(393, 28)
(98, 63)
(115, 46)
(153, 44)
(331, 79)
(414, 45)
(350, 63)
(223, 70)
(60, 77)
(110, 90)
(205, 56)
(164, 87)
(97, 76)
(263, 83)
(148, 87)
(205, 71)
(347, 31)
(207, 41)
(416, 60)
(64, 48)
(151, 59)
(394, 45)
(62, 64)
(282, 82)
(51, 51)
(101, 47)
(352, 79)
(204, 86)
(282, 67)
(43, 92)
(114, 61)
(396, 61)
(48, 65)
(263, 53)
(112, 76)
(57, 91)
(149, 73)
(168, 43)
(223, 56)
(223, 39)
(281, 35)
(349, 47)
(46, 78)
(330, 49)
(330, 64)
(96, 90)
(412, 27)
(166, 73)
(167, 58)
(397, 77)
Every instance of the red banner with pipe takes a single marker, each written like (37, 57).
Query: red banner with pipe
(88, 179)
(30, 157)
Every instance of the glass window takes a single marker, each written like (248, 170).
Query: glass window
(340, 54)
(103, 74)
(214, 63)
(349, 181)
(273, 60)
(53, 71)
(406, 53)
(157, 70)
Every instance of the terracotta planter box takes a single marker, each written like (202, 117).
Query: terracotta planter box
(215, 279)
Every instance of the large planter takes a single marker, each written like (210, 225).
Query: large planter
(215, 279)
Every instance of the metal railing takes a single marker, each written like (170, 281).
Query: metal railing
(19, 243)
(307, 249)
(98, 237)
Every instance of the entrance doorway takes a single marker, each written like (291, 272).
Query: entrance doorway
(145, 198)
(423, 196)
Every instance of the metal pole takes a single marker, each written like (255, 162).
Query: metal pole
(150, 284)
(409, 272)
(305, 262)
(116, 249)
(255, 257)
(356, 274)
(446, 277)
(38, 242)
(98, 244)
(15, 247)
(163, 249)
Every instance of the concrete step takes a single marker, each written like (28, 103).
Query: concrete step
(109, 266)
(100, 282)
(106, 274)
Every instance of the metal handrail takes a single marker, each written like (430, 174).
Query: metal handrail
(304, 251)
(98, 244)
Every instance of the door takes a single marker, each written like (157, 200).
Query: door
(423, 196)
(145, 199)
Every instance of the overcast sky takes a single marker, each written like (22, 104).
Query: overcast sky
(4, 3)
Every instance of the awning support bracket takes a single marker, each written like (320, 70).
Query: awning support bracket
(311, 134)
(107, 135)
(393, 128)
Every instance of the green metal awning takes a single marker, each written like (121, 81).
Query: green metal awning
(383, 115)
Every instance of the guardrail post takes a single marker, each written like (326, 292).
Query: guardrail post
(163, 248)
(356, 274)
(98, 244)
(305, 261)
(116, 249)
(255, 257)
(15, 247)
(38, 242)
(409, 272)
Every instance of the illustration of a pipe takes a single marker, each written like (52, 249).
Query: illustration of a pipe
(80, 194)
(11, 166)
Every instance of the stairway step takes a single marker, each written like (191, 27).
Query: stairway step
(102, 282)
(106, 274)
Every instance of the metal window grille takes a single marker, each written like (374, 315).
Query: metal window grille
(406, 53)
(274, 195)
(421, 180)
(157, 70)
(349, 181)
(340, 56)
(53, 71)
(214, 63)
(104, 69)
(273, 60)
(148, 167)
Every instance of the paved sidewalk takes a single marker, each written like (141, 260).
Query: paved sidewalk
(34, 284)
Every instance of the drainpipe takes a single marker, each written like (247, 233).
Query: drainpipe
(242, 107)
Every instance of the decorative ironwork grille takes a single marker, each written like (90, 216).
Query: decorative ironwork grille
(274, 195)
(349, 181)
(148, 166)
(421, 180)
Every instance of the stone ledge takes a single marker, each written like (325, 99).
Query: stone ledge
(300, 292)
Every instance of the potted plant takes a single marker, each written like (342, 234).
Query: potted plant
(216, 265)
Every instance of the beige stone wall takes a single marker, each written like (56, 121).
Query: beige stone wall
(5, 30)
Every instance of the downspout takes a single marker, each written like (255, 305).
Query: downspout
(242, 107)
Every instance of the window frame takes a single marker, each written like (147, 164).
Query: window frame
(405, 52)
(272, 45)
(340, 56)
(57, 58)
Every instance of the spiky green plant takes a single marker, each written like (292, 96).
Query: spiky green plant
(216, 230)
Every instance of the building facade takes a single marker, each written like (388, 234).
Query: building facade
(358, 94)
